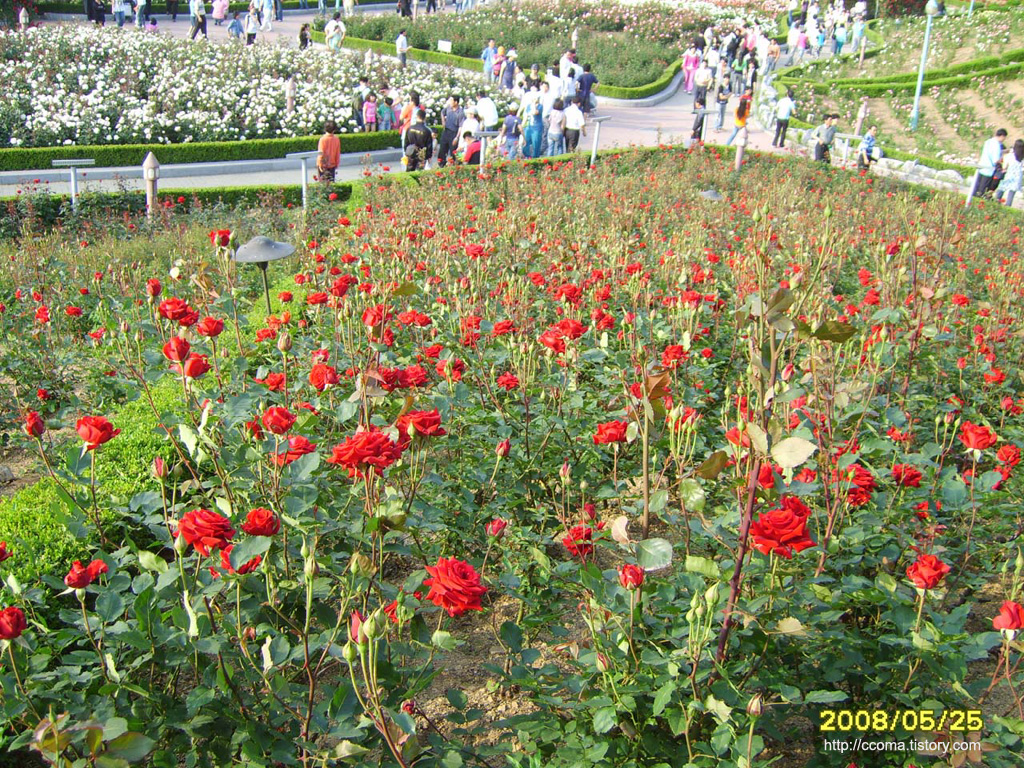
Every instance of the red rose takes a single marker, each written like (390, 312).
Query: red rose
(80, 577)
(508, 382)
(977, 437)
(501, 450)
(220, 237)
(261, 522)
(781, 531)
(631, 576)
(1011, 616)
(672, 356)
(12, 623)
(174, 308)
(578, 541)
(927, 571)
(195, 366)
(205, 530)
(375, 316)
(454, 586)
(95, 430)
(153, 287)
(244, 568)
(34, 424)
(610, 432)
(177, 349)
(4, 551)
(422, 423)
(1009, 455)
(322, 376)
(297, 446)
(907, 475)
(278, 420)
(369, 448)
(72, 311)
(496, 528)
(355, 628)
(211, 327)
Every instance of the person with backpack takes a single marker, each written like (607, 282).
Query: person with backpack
(328, 153)
(418, 144)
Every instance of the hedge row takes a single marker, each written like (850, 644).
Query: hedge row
(115, 156)
(474, 65)
(978, 65)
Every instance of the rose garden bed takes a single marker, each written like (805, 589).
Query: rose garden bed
(689, 473)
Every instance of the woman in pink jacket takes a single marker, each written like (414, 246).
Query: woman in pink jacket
(691, 60)
(220, 11)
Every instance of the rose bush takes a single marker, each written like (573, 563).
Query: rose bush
(315, 574)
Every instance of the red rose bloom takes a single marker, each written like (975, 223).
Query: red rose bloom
(907, 475)
(153, 287)
(12, 623)
(261, 522)
(244, 568)
(578, 541)
(780, 531)
(1009, 455)
(977, 437)
(631, 576)
(610, 432)
(95, 431)
(369, 448)
(297, 446)
(34, 425)
(1011, 616)
(508, 382)
(72, 311)
(220, 237)
(211, 327)
(454, 586)
(322, 376)
(174, 309)
(205, 530)
(177, 349)
(4, 551)
(422, 423)
(927, 571)
(195, 366)
(80, 577)
(278, 420)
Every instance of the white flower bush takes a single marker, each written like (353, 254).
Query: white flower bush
(73, 84)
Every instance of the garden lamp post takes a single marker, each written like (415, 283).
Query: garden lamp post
(597, 136)
(484, 136)
(304, 158)
(73, 166)
(931, 11)
(261, 251)
(150, 173)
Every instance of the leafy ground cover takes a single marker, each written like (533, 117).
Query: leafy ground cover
(971, 86)
(124, 88)
(629, 45)
(506, 483)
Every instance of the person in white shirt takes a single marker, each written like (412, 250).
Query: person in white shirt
(402, 48)
(783, 111)
(487, 111)
(991, 159)
(701, 82)
(470, 125)
(252, 26)
(121, 9)
(575, 125)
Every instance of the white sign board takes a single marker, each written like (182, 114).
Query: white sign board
(444, 46)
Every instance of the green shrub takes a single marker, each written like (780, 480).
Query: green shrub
(191, 152)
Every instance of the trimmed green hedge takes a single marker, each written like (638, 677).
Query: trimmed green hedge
(114, 155)
(464, 62)
(161, 7)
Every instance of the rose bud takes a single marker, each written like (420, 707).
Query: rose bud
(34, 425)
(496, 528)
(502, 449)
(159, 468)
(284, 342)
(755, 707)
(631, 576)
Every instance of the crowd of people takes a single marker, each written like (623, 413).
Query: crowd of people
(1000, 170)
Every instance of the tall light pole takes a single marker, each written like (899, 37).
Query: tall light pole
(931, 10)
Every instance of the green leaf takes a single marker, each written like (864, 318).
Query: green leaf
(659, 500)
(452, 759)
(152, 562)
(758, 438)
(457, 698)
(247, 549)
(703, 566)
(443, 640)
(302, 469)
(604, 719)
(692, 494)
(825, 697)
(792, 452)
(653, 554)
(406, 723)
(105, 761)
(833, 330)
(713, 465)
(406, 289)
(512, 636)
(347, 749)
(719, 709)
(790, 626)
(109, 606)
(130, 746)
(662, 698)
